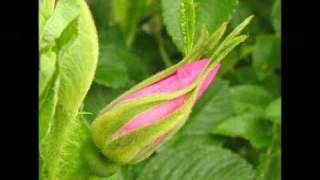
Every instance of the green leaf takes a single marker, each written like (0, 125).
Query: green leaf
(128, 15)
(112, 70)
(47, 69)
(131, 172)
(65, 165)
(229, 63)
(270, 167)
(197, 162)
(246, 97)
(118, 66)
(276, 16)
(187, 23)
(270, 161)
(245, 74)
(117, 176)
(247, 122)
(213, 107)
(46, 7)
(62, 16)
(101, 12)
(211, 13)
(266, 56)
(249, 126)
(244, 10)
(272, 83)
(171, 18)
(59, 149)
(146, 48)
(191, 140)
(68, 35)
(273, 111)
(47, 105)
(262, 10)
(42, 21)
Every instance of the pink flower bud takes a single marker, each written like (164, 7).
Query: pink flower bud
(129, 135)
(180, 79)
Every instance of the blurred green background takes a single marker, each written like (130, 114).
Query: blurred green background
(234, 130)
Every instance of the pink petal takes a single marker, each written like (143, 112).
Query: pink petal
(182, 78)
(155, 114)
(204, 85)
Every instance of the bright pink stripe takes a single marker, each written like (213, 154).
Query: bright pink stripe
(181, 79)
(204, 85)
(152, 115)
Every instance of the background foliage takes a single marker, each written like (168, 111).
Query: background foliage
(234, 131)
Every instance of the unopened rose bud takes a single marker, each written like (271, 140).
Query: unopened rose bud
(134, 125)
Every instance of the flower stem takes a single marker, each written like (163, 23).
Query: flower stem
(163, 52)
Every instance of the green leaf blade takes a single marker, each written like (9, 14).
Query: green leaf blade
(273, 111)
(276, 16)
(196, 162)
(171, 18)
(249, 96)
(267, 55)
(248, 126)
(213, 13)
(118, 66)
(60, 148)
(63, 15)
(187, 23)
(213, 107)
(249, 102)
(68, 35)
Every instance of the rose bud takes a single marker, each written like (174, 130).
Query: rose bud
(131, 127)
(134, 125)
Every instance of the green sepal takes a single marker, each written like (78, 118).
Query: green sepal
(201, 44)
(229, 46)
(230, 38)
(216, 37)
